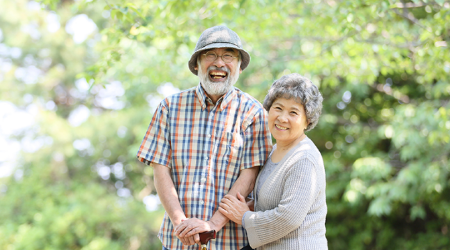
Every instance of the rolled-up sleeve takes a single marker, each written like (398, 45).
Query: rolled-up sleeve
(155, 146)
(258, 141)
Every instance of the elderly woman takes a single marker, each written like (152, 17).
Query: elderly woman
(290, 207)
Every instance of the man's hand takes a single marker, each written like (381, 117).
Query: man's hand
(192, 227)
(234, 208)
(188, 241)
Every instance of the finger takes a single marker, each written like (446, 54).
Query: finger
(197, 239)
(224, 199)
(224, 206)
(176, 231)
(186, 242)
(228, 197)
(191, 240)
(182, 240)
(223, 203)
(223, 211)
(240, 197)
(231, 197)
(180, 228)
(193, 232)
(191, 224)
(227, 201)
(185, 231)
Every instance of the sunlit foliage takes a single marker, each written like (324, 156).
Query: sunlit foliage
(382, 66)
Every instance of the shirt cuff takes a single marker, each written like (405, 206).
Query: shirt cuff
(243, 221)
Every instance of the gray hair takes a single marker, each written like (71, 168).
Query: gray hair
(303, 90)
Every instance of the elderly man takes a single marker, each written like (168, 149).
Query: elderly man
(204, 143)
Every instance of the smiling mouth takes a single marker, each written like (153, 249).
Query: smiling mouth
(280, 127)
(217, 75)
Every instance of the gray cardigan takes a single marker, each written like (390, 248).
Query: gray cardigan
(290, 209)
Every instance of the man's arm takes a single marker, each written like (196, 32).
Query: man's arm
(244, 185)
(169, 199)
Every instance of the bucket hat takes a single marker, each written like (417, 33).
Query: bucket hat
(218, 37)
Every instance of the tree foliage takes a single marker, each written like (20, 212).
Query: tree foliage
(382, 67)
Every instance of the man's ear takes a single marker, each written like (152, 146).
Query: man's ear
(240, 70)
(196, 67)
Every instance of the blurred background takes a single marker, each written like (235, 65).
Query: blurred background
(80, 80)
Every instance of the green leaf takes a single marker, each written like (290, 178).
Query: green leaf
(417, 211)
(380, 206)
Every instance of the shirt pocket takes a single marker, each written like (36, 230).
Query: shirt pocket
(230, 151)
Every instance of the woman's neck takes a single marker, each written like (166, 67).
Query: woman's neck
(287, 145)
(283, 148)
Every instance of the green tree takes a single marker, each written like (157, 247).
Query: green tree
(382, 67)
(79, 186)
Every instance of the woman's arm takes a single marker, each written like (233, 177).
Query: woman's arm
(234, 208)
(299, 192)
(244, 184)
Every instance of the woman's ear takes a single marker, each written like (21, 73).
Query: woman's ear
(307, 123)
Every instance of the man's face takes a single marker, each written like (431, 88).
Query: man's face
(217, 77)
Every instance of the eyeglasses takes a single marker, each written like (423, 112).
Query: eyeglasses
(212, 56)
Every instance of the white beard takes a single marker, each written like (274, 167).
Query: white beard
(217, 88)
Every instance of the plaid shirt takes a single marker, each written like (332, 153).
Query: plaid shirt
(206, 146)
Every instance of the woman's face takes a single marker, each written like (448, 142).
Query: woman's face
(287, 120)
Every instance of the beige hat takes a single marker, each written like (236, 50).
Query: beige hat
(218, 37)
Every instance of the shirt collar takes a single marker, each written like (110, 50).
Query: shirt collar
(224, 100)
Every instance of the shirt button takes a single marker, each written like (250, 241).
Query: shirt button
(206, 158)
(203, 179)
(202, 202)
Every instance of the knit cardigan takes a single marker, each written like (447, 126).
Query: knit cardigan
(290, 209)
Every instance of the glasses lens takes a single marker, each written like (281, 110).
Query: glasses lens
(227, 58)
(210, 56)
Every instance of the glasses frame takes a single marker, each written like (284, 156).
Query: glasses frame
(217, 56)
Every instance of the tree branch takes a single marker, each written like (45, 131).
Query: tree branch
(410, 17)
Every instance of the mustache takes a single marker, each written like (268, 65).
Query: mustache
(216, 68)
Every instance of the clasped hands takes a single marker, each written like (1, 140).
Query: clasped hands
(187, 231)
(231, 207)
(234, 208)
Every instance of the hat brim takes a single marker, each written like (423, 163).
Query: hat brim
(245, 56)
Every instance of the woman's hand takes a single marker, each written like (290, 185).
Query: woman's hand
(233, 208)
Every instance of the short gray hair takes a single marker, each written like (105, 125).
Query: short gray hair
(303, 90)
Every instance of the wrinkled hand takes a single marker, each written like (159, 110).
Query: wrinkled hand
(190, 228)
(188, 241)
(234, 208)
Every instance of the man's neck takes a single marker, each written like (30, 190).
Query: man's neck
(214, 98)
